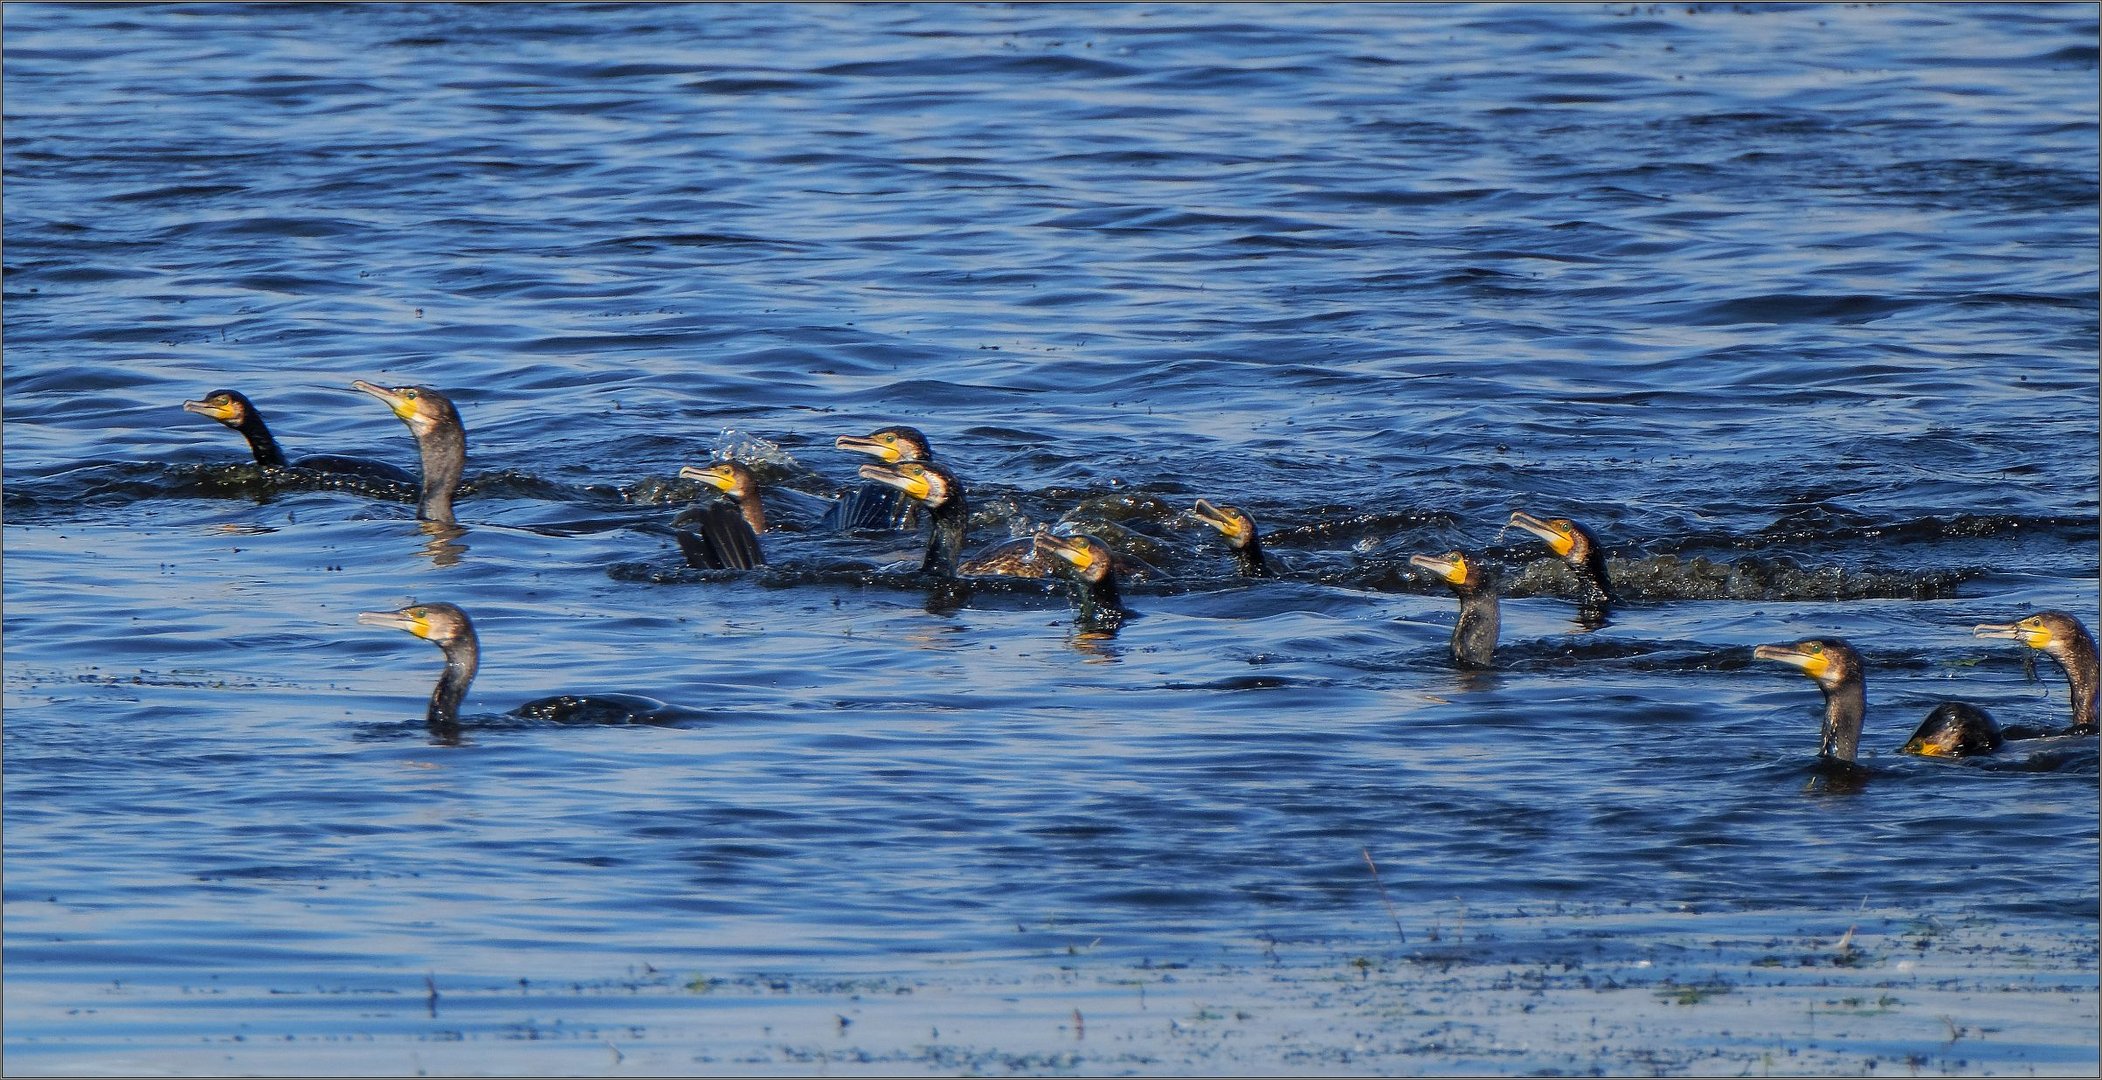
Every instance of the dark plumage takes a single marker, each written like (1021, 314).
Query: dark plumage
(723, 534)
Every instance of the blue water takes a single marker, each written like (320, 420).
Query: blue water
(1795, 307)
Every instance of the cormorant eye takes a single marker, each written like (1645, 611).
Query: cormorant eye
(410, 394)
(1814, 650)
(419, 613)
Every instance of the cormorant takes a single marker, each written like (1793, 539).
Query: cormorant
(1093, 568)
(875, 507)
(232, 408)
(1953, 729)
(2062, 638)
(440, 439)
(1239, 530)
(1580, 550)
(933, 486)
(722, 535)
(1474, 635)
(449, 628)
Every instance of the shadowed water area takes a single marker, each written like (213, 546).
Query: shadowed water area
(1794, 307)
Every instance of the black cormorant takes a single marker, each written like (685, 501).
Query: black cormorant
(1474, 635)
(1580, 550)
(2062, 638)
(935, 487)
(232, 408)
(449, 628)
(719, 534)
(1953, 729)
(440, 439)
(1239, 530)
(876, 507)
(1093, 568)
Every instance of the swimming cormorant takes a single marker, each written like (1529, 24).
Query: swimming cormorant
(2062, 638)
(232, 408)
(1580, 550)
(1474, 635)
(876, 507)
(440, 439)
(1239, 530)
(1093, 568)
(449, 628)
(719, 534)
(933, 486)
(1953, 729)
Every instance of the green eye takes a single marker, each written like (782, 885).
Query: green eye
(410, 394)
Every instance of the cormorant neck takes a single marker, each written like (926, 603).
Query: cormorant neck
(260, 442)
(1474, 635)
(1097, 601)
(1249, 558)
(945, 528)
(444, 449)
(1598, 587)
(2080, 662)
(754, 513)
(1844, 706)
(461, 659)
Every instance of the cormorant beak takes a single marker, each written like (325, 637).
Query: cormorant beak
(403, 404)
(1559, 539)
(715, 476)
(1812, 664)
(862, 444)
(913, 484)
(1227, 523)
(1450, 567)
(225, 413)
(1942, 743)
(405, 619)
(1079, 553)
(2036, 636)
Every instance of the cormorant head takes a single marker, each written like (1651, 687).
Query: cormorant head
(1829, 661)
(728, 477)
(891, 444)
(420, 407)
(2052, 632)
(1452, 568)
(1231, 521)
(923, 480)
(1954, 730)
(440, 624)
(1568, 539)
(1090, 558)
(229, 407)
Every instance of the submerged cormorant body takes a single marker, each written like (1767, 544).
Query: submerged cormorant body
(1953, 729)
(233, 409)
(441, 441)
(2062, 638)
(1474, 635)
